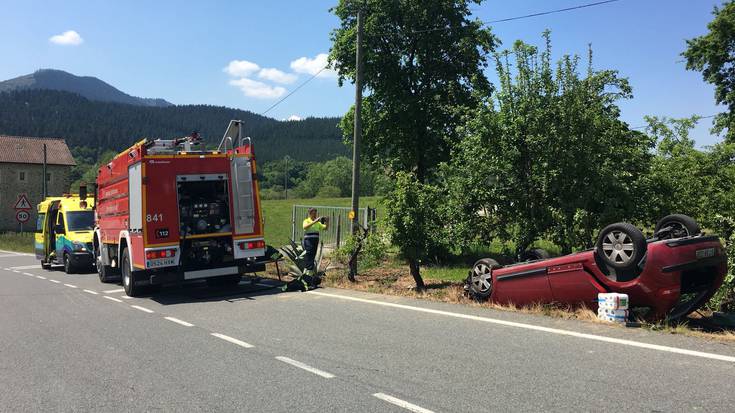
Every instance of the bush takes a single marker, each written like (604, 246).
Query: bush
(724, 300)
(373, 251)
(329, 191)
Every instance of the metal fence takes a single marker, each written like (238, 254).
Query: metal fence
(339, 223)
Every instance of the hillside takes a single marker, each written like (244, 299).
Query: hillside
(87, 86)
(106, 125)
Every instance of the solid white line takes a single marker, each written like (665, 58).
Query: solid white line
(112, 299)
(400, 403)
(570, 333)
(117, 290)
(70, 285)
(145, 310)
(13, 253)
(40, 277)
(9, 256)
(90, 291)
(305, 367)
(177, 321)
(233, 340)
(26, 267)
(55, 282)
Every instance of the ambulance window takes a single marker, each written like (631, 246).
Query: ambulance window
(60, 222)
(80, 220)
(39, 222)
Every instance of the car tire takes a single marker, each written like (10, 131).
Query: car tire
(535, 254)
(128, 276)
(480, 280)
(68, 266)
(621, 246)
(681, 226)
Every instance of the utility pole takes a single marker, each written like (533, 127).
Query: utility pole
(285, 176)
(356, 140)
(45, 182)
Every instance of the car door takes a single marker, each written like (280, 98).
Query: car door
(39, 238)
(60, 230)
(572, 284)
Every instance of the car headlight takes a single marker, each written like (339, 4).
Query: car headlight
(78, 246)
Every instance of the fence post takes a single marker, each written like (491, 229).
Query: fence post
(293, 223)
(339, 228)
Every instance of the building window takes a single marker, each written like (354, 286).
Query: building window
(21, 176)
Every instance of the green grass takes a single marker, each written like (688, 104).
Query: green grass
(277, 214)
(16, 241)
(445, 273)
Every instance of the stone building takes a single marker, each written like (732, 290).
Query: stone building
(21, 167)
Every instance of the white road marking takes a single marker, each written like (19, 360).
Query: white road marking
(305, 367)
(26, 267)
(117, 290)
(233, 340)
(401, 403)
(143, 309)
(15, 254)
(90, 291)
(112, 299)
(55, 282)
(9, 255)
(28, 274)
(6, 269)
(15, 271)
(570, 333)
(177, 321)
(126, 297)
(70, 285)
(40, 277)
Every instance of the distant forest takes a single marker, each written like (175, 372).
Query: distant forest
(96, 127)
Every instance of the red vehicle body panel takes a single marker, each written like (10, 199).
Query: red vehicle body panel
(671, 268)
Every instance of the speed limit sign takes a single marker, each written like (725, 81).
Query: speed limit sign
(22, 216)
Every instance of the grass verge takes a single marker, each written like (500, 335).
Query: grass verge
(16, 241)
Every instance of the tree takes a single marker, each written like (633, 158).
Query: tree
(548, 156)
(714, 55)
(423, 64)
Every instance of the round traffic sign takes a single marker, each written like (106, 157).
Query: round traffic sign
(22, 216)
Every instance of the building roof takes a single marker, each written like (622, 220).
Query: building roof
(27, 150)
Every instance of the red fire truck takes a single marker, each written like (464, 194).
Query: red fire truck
(167, 212)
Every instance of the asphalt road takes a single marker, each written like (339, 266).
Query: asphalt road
(70, 343)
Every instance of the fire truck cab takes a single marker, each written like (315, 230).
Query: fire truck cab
(168, 212)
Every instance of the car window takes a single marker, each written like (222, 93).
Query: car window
(80, 220)
(39, 222)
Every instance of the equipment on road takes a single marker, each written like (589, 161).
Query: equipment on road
(64, 231)
(170, 211)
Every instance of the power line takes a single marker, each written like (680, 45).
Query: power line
(294, 91)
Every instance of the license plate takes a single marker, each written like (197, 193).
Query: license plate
(160, 263)
(705, 253)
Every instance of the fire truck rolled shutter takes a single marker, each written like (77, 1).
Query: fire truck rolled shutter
(135, 191)
(242, 195)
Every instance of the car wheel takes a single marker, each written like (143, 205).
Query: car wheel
(128, 276)
(621, 246)
(676, 226)
(535, 254)
(480, 279)
(68, 266)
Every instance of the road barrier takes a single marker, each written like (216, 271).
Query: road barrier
(339, 223)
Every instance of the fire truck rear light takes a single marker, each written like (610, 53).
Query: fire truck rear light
(168, 253)
(250, 245)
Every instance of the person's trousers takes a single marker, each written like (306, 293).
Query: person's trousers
(310, 245)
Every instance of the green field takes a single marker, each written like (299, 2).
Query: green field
(277, 214)
(16, 241)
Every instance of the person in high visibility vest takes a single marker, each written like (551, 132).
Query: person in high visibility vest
(312, 227)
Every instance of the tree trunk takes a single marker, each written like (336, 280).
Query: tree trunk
(413, 265)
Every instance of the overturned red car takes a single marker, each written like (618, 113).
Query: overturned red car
(667, 276)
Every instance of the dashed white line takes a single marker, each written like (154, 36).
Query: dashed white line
(143, 309)
(233, 340)
(305, 367)
(569, 333)
(70, 285)
(91, 292)
(112, 299)
(25, 267)
(177, 321)
(402, 403)
(117, 290)
(126, 297)
(55, 281)
(28, 274)
(40, 277)
(15, 271)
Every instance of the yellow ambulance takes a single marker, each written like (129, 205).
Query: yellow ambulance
(64, 232)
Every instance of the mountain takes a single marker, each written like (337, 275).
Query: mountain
(93, 127)
(87, 86)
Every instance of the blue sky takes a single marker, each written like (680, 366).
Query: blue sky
(180, 50)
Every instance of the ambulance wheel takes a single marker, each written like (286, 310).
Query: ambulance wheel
(128, 276)
(68, 266)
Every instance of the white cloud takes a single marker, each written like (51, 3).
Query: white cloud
(312, 66)
(294, 118)
(241, 68)
(258, 90)
(68, 38)
(275, 75)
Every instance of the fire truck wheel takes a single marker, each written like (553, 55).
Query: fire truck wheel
(68, 267)
(128, 276)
